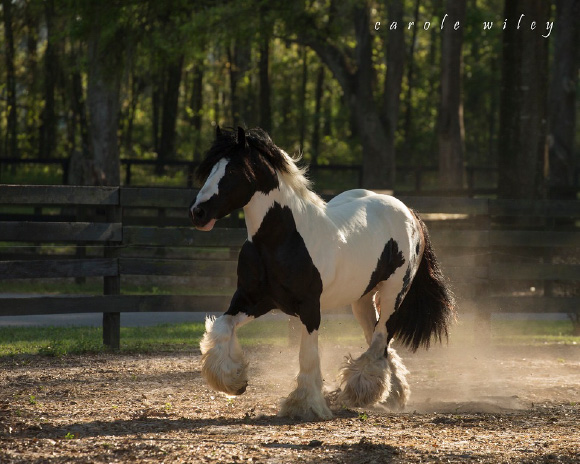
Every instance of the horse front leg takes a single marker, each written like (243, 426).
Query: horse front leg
(307, 401)
(223, 365)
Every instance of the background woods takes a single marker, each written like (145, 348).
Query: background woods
(96, 82)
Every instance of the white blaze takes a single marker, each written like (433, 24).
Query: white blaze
(210, 188)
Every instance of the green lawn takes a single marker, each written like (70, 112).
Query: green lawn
(60, 341)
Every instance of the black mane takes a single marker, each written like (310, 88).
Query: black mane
(258, 144)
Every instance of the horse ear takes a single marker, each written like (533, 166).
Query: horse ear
(218, 132)
(241, 137)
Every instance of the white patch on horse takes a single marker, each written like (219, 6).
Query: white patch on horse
(256, 210)
(307, 400)
(400, 391)
(211, 186)
(365, 380)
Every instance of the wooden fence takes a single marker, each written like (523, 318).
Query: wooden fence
(501, 256)
(480, 180)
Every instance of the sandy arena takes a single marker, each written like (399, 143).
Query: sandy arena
(486, 405)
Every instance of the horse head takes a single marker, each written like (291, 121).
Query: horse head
(237, 165)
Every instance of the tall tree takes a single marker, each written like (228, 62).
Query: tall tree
(11, 138)
(197, 107)
(395, 54)
(239, 57)
(106, 48)
(450, 119)
(522, 152)
(408, 116)
(264, 75)
(353, 69)
(563, 98)
(47, 132)
(170, 108)
(316, 127)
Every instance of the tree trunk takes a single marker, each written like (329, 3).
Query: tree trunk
(408, 118)
(563, 99)
(239, 58)
(450, 119)
(522, 149)
(11, 139)
(378, 163)
(196, 108)
(137, 86)
(79, 110)
(319, 92)
(105, 73)
(170, 107)
(32, 80)
(264, 73)
(47, 132)
(156, 101)
(395, 53)
(303, 83)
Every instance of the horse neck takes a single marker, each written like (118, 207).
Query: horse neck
(303, 208)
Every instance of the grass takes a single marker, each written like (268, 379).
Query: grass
(62, 341)
(94, 286)
(533, 332)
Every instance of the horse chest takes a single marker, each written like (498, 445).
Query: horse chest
(287, 274)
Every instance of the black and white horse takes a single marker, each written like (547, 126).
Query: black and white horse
(304, 256)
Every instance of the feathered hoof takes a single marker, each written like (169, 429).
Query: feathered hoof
(364, 381)
(223, 373)
(305, 404)
(395, 402)
(400, 391)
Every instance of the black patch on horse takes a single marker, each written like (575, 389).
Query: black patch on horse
(275, 270)
(390, 260)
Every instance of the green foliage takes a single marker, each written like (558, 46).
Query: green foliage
(222, 42)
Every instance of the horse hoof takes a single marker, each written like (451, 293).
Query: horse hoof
(364, 381)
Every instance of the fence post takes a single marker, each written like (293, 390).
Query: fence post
(112, 286)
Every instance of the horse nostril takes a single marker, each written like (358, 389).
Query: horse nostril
(198, 213)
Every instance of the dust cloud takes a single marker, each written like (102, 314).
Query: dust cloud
(465, 375)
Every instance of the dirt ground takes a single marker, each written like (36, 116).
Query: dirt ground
(467, 405)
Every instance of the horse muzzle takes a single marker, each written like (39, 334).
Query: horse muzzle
(199, 218)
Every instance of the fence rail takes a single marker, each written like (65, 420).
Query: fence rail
(416, 178)
(501, 256)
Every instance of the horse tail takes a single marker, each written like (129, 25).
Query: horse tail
(428, 308)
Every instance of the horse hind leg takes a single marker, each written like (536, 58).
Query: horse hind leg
(365, 313)
(365, 380)
(399, 391)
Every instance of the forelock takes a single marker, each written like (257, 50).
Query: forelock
(258, 144)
